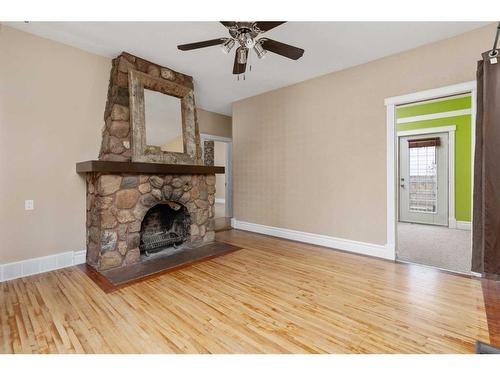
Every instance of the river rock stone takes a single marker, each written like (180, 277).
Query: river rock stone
(156, 181)
(119, 129)
(185, 197)
(133, 256)
(122, 231)
(167, 192)
(210, 180)
(94, 234)
(133, 240)
(157, 194)
(144, 188)
(129, 182)
(168, 179)
(201, 217)
(122, 247)
(177, 183)
(209, 236)
(126, 198)
(119, 113)
(201, 203)
(177, 194)
(125, 216)
(108, 220)
(109, 184)
(134, 227)
(148, 200)
(108, 240)
(194, 230)
(109, 260)
(116, 145)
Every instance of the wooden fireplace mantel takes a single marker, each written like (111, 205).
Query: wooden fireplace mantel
(146, 168)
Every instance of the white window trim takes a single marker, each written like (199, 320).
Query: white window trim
(391, 104)
(452, 221)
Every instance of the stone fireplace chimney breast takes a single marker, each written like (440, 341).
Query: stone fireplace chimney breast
(140, 199)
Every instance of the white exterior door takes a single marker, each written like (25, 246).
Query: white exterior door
(423, 179)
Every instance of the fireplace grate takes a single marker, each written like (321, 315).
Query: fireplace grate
(158, 240)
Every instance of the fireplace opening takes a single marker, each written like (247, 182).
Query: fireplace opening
(164, 227)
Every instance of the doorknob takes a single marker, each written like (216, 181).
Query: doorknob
(402, 185)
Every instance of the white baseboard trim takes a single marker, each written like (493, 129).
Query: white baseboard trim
(220, 200)
(452, 223)
(33, 266)
(379, 251)
(464, 225)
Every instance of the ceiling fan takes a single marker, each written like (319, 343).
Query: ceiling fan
(245, 34)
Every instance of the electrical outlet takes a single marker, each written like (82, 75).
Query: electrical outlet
(29, 205)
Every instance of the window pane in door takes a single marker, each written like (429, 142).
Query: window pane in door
(423, 179)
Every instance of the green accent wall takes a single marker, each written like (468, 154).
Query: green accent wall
(463, 144)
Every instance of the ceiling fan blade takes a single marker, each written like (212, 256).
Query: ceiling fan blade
(267, 25)
(237, 67)
(229, 24)
(282, 49)
(205, 43)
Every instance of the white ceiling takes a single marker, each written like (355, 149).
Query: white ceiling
(329, 46)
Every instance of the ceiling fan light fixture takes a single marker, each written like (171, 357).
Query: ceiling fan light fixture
(242, 55)
(227, 46)
(246, 40)
(261, 52)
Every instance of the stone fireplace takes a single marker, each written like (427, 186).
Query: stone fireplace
(142, 200)
(122, 209)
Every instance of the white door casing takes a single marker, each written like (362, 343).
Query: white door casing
(229, 168)
(391, 150)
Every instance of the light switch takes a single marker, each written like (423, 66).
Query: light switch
(29, 204)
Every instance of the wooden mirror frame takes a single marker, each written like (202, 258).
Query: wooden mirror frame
(141, 152)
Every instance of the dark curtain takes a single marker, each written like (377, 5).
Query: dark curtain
(486, 202)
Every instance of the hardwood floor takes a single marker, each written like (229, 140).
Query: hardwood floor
(273, 296)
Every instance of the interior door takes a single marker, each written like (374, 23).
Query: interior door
(423, 179)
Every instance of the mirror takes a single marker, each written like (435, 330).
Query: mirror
(163, 118)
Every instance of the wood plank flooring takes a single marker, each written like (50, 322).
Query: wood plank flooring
(273, 296)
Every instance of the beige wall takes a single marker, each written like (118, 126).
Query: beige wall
(214, 123)
(312, 156)
(52, 100)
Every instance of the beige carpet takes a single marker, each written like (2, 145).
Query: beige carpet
(435, 246)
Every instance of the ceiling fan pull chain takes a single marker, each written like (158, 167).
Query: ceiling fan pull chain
(250, 60)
